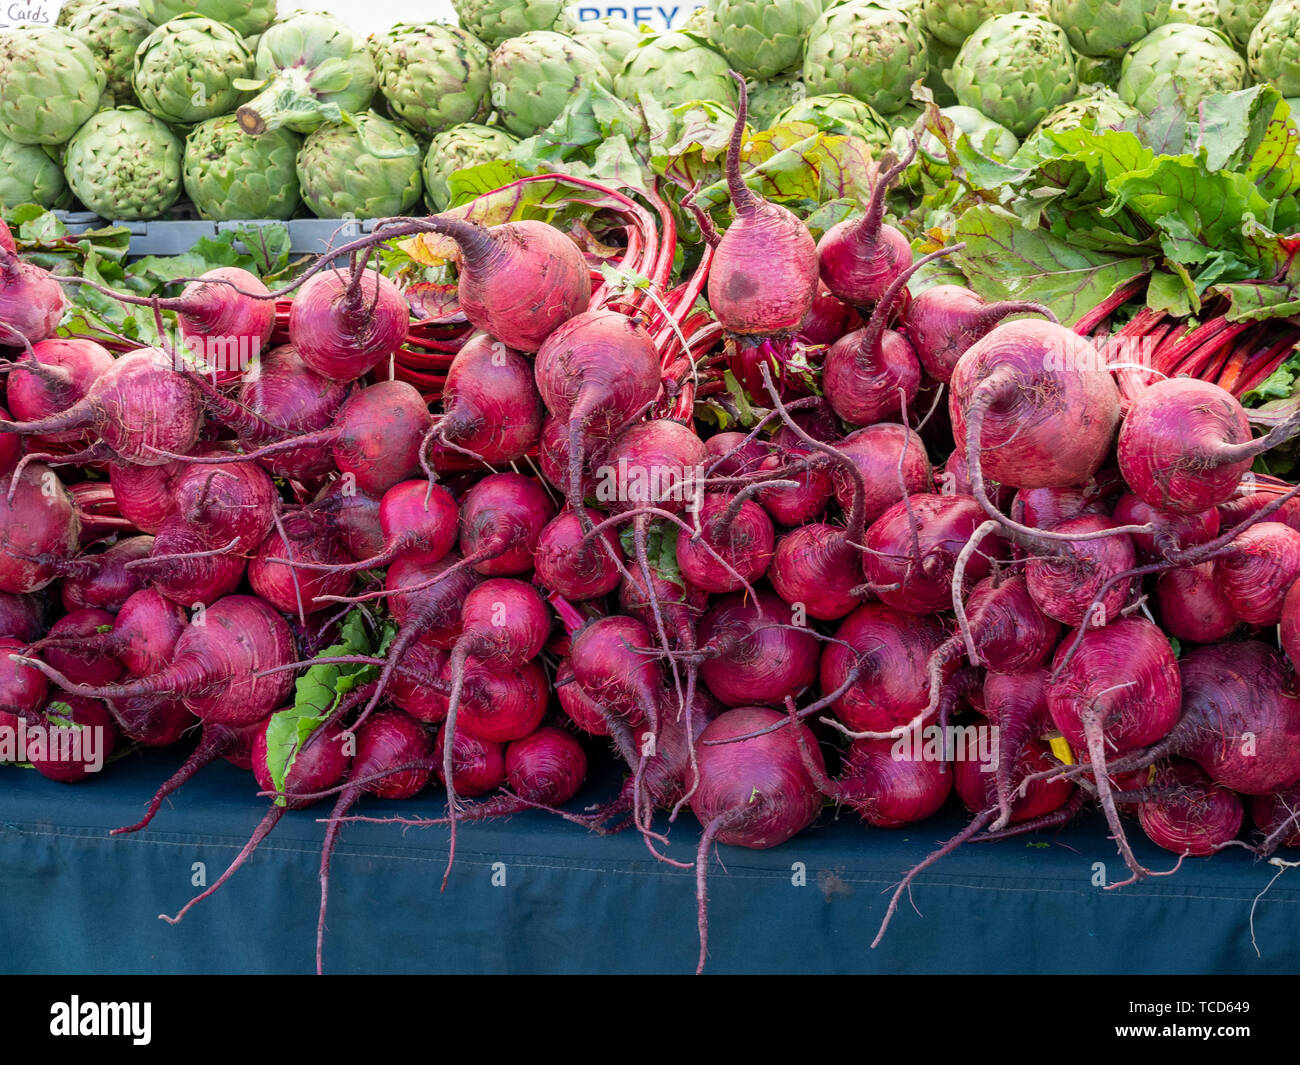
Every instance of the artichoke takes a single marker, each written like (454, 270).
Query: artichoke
(1239, 17)
(247, 18)
(1197, 13)
(1274, 50)
(72, 8)
(125, 165)
(676, 68)
(493, 21)
(1098, 70)
(767, 99)
(310, 69)
(941, 58)
(1187, 63)
(433, 76)
(837, 113)
(610, 38)
(113, 30)
(1015, 68)
(455, 149)
(30, 174)
(1108, 27)
(49, 85)
(536, 75)
(1098, 108)
(368, 168)
(698, 23)
(870, 50)
(230, 174)
(762, 38)
(951, 23)
(187, 69)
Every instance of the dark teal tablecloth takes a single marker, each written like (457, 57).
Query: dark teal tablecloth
(74, 899)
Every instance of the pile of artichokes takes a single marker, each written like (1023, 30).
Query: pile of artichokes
(167, 108)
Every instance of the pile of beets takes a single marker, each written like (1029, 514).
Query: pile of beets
(943, 511)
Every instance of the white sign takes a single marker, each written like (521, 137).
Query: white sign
(29, 12)
(375, 16)
(667, 16)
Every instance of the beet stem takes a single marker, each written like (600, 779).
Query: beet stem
(260, 833)
(978, 822)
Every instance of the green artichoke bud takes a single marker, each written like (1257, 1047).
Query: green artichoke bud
(29, 173)
(1197, 13)
(125, 165)
(951, 22)
(699, 23)
(941, 58)
(676, 68)
(1108, 27)
(762, 38)
(767, 99)
(493, 21)
(367, 168)
(1187, 63)
(49, 85)
(610, 38)
(310, 69)
(433, 76)
(457, 149)
(230, 174)
(1274, 50)
(838, 113)
(1098, 108)
(1098, 70)
(1015, 68)
(247, 18)
(186, 70)
(870, 50)
(536, 75)
(113, 30)
(72, 8)
(1239, 17)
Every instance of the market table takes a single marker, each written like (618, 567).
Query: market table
(537, 894)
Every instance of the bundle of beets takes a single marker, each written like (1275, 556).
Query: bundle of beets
(1094, 573)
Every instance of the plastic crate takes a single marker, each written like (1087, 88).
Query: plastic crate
(307, 236)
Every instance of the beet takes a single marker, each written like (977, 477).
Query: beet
(520, 281)
(892, 650)
(1033, 407)
(491, 408)
(1184, 445)
(764, 274)
(945, 320)
(755, 793)
(1197, 817)
(345, 324)
(940, 526)
(751, 651)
